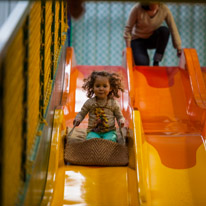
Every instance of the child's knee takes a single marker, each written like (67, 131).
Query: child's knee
(112, 135)
(92, 135)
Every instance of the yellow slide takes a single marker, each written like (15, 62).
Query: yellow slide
(166, 120)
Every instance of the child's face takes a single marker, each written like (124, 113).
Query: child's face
(101, 87)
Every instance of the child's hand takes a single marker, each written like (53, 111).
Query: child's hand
(76, 122)
(121, 123)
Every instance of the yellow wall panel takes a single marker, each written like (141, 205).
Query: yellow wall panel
(22, 93)
(13, 120)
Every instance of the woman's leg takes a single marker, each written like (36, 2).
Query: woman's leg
(159, 40)
(139, 50)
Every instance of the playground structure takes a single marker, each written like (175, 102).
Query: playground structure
(166, 143)
(164, 108)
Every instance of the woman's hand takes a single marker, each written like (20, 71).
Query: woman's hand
(179, 52)
(128, 43)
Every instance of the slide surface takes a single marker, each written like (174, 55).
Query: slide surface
(173, 133)
(171, 101)
(90, 185)
(84, 185)
(166, 115)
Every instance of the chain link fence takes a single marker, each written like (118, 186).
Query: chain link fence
(97, 36)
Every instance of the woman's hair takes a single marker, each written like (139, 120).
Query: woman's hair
(146, 5)
(114, 81)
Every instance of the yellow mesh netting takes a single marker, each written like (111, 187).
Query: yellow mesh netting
(47, 67)
(56, 41)
(34, 74)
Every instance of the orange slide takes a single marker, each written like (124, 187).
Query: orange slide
(165, 109)
(171, 101)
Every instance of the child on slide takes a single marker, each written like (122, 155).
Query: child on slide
(101, 87)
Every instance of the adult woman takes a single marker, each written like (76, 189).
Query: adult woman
(144, 31)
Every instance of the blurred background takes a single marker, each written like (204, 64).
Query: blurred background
(98, 35)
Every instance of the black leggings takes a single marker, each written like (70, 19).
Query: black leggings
(158, 40)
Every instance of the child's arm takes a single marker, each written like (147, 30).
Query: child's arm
(121, 122)
(76, 122)
(118, 114)
(81, 115)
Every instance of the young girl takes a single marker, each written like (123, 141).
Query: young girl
(102, 108)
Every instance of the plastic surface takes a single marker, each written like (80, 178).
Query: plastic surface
(167, 147)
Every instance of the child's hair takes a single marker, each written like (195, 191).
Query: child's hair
(114, 81)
